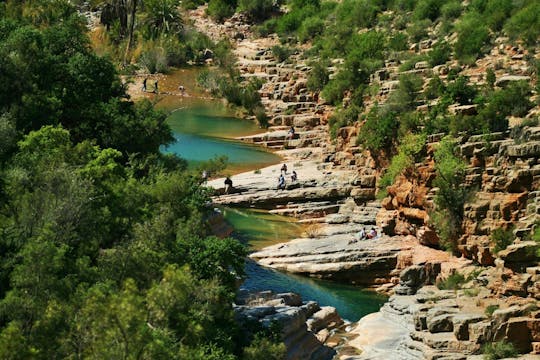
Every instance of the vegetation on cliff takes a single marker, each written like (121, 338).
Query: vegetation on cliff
(104, 251)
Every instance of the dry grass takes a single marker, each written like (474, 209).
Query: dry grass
(313, 231)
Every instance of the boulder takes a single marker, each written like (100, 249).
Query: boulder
(522, 252)
(290, 299)
(461, 324)
(440, 323)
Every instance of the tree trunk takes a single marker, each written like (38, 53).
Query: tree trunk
(130, 31)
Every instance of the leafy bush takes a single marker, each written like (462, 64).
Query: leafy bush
(451, 10)
(311, 27)
(318, 76)
(490, 309)
(440, 54)
(282, 53)
(473, 36)
(427, 9)
(341, 118)
(256, 9)
(379, 130)
(435, 88)
(525, 23)
(419, 30)
(499, 350)
(452, 282)
(398, 41)
(219, 10)
(502, 238)
(451, 197)
(460, 91)
(408, 150)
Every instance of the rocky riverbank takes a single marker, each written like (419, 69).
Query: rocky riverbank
(336, 194)
(307, 329)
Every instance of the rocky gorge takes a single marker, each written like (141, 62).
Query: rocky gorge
(498, 295)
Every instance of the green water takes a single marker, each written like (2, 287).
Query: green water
(259, 229)
(204, 127)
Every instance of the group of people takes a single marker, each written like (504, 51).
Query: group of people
(372, 234)
(281, 179)
(144, 86)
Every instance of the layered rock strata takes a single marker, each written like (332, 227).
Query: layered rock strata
(305, 326)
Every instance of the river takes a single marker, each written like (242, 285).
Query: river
(205, 128)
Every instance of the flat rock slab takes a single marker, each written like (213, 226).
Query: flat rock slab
(339, 257)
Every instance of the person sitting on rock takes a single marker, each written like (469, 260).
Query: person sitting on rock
(284, 169)
(290, 133)
(294, 176)
(281, 182)
(228, 185)
(372, 234)
(362, 234)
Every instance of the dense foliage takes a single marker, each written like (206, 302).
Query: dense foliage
(104, 251)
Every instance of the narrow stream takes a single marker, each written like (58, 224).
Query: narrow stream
(205, 128)
(259, 229)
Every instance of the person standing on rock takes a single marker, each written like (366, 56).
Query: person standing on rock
(281, 182)
(144, 84)
(284, 169)
(294, 176)
(228, 185)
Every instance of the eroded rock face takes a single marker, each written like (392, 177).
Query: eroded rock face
(305, 326)
(442, 324)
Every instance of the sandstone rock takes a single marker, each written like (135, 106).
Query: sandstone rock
(290, 299)
(327, 318)
(461, 324)
(522, 252)
(427, 237)
(506, 79)
(518, 333)
(440, 323)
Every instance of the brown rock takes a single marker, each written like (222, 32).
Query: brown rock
(427, 237)
(519, 334)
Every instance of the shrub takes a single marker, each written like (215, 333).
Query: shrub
(398, 41)
(404, 98)
(452, 282)
(451, 197)
(427, 9)
(490, 309)
(440, 54)
(318, 76)
(379, 130)
(473, 35)
(261, 116)
(281, 53)
(451, 10)
(343, 118)
(409, 148)
(525, 23)
(419, 30)
(256, 9)
(154, 60)
(502, 238)
(435, 88)
(498, 350)
(460, 91)
(496, 12)
(219, 10)
(311, 27)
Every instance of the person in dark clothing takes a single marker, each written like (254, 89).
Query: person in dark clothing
(144, 84)
(294, 176)
(284, 168)
(290, 133)
(228, 185)
(281, 182)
